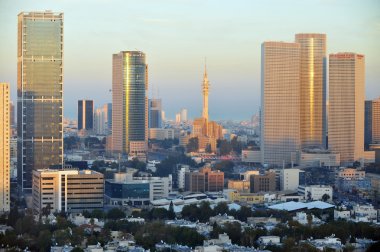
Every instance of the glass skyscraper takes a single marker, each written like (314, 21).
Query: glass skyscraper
(39, 93)
(85, 114)
(155, 113)
(129, 103)
(313, 89)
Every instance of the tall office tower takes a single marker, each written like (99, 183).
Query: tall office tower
(280, 102)
(183, 113)
(155, 113)
(5, 157)
(109, 117)
(12, 114)
(372, 123)
(39, 92)
(85, 114)
(367, 124)
(346, 106)
(129, 103)
(313, 89)
(101, 120)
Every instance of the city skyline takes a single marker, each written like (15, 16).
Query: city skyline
(165, 32)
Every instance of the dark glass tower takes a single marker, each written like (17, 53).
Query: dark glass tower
(155, 111)
(39, 94)
(85, 114)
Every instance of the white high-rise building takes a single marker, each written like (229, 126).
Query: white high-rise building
(4, 147)
(346, 106)
(280, 102)
(183, 113)
(101, 117)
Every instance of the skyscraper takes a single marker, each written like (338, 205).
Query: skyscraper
(313, 89)
(129, 103)
(39, 92)
(183, 115)
(4, 147)
(101, 119)
(85, 115)
(346, 105)
(372, 122)
(205, 89)
(280, 102)
(155, 113)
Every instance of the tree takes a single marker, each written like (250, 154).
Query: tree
(225, 166)
(171, 214)
(208, 148)
(221, 208)
(193, 145)
(325, 197)
(225, 147)
(44, 240)
(115, 213)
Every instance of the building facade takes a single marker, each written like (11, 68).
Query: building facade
(5, 157)
(313, 89)
(85, 115)
(315, 192)
(280, 102)
(346, 106)
(263, 183)
(39, 94)
(155, 113)
(289, 179)
(204, 180)
(372, 123)
(70, 190)
(129, 103)
(102, 119)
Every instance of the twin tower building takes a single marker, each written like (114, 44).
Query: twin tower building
(40, 97)
(295, 114)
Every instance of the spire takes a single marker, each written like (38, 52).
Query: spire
(205, 88)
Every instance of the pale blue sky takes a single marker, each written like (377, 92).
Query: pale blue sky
(177, 35)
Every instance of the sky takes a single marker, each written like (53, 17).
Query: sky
(177, 36)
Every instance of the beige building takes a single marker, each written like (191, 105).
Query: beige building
(204, 180)
(161, 134)
(350, 174)
(129, 103)
(280, 102)
(70, 190)
(313, 88)
(263, 183)
(346, 105)
(239, 185)
(4, 147)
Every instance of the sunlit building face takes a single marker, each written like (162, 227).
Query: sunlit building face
(129, 102)
(280, 101)
(346, 106)
(39, 92)
(313, 89)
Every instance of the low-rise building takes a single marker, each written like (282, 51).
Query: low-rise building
(204, 180)
(248, 198)
(315, 192)
(263, 183)
(239, 185)
(318, 157)
(68, 190)
(350, 173)
(364, 213)
(342, 214)
(269, 240)
(161, 134)
(251, 156)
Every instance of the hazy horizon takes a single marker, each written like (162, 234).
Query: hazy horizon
(177, 35)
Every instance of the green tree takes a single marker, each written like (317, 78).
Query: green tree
(115, 213)
(193, 145)
(221, 208)
(224, 146)
(171, 213)
(44, 240)
(325, 197)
